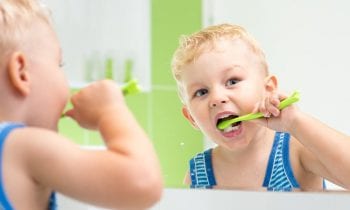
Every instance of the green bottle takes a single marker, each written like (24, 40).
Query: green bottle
(128, 70)
(109, 68)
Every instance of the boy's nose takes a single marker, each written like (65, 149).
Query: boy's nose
(216, 103)
(218, 96)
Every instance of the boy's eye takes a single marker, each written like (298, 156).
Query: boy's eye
(231, 82)
(200, 92)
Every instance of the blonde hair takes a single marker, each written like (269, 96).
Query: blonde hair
(192, 46)
(16, 17)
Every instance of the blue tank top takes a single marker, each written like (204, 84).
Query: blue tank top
(279, 175)
(5, 129)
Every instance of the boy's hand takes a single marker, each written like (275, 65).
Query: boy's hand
(91, 103)
(278, 120)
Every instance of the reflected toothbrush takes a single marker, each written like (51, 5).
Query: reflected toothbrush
(286, 102)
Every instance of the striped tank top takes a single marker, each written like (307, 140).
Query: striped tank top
(279, 174)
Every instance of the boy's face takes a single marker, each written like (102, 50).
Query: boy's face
(49, 88)
(225, 81)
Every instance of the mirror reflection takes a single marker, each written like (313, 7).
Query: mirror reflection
(222, 74)
(299, 47)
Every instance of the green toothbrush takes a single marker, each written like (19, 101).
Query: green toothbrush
(131, 87)
(286, 102)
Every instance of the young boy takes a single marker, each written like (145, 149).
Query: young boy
(35, 161)
(222, 73)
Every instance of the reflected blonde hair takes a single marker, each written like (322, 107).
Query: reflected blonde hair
(192, 46)
(16, 17)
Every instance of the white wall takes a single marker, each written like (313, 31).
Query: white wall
(91, 31)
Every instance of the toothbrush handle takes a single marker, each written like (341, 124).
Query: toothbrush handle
(286, 102)
(250, 116)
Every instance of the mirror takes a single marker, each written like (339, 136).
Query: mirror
(306, 47)
(306, 44)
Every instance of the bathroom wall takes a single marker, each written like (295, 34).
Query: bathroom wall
(92, 33)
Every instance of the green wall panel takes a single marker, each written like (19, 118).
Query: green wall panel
(170, 19)
(70, 129)
(139, 104)
(175, 140)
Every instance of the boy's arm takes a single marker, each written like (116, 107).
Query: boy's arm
(127, 174)
(329, 155)
(329, 147)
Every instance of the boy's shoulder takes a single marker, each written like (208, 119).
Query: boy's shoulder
(10, 125)
(6, 128)
(27, 139)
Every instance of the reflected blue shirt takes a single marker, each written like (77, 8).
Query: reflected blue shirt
(5, 129)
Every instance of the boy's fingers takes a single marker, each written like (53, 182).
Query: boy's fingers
(272, 106)
(281, 96)
(265, 107)
(275, 100)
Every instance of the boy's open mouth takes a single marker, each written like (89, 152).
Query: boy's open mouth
(233, 127)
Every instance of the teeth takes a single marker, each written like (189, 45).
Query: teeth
(231, 128)
(226, 115)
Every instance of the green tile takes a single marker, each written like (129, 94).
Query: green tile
(70, 129)
(93, 138)
(139, 105)
(170, 19)
(175, 140)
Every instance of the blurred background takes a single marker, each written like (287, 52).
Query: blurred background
(306, 42)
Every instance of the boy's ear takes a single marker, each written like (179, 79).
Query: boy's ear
(18, 73)
(271, 83)
(188, 116)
